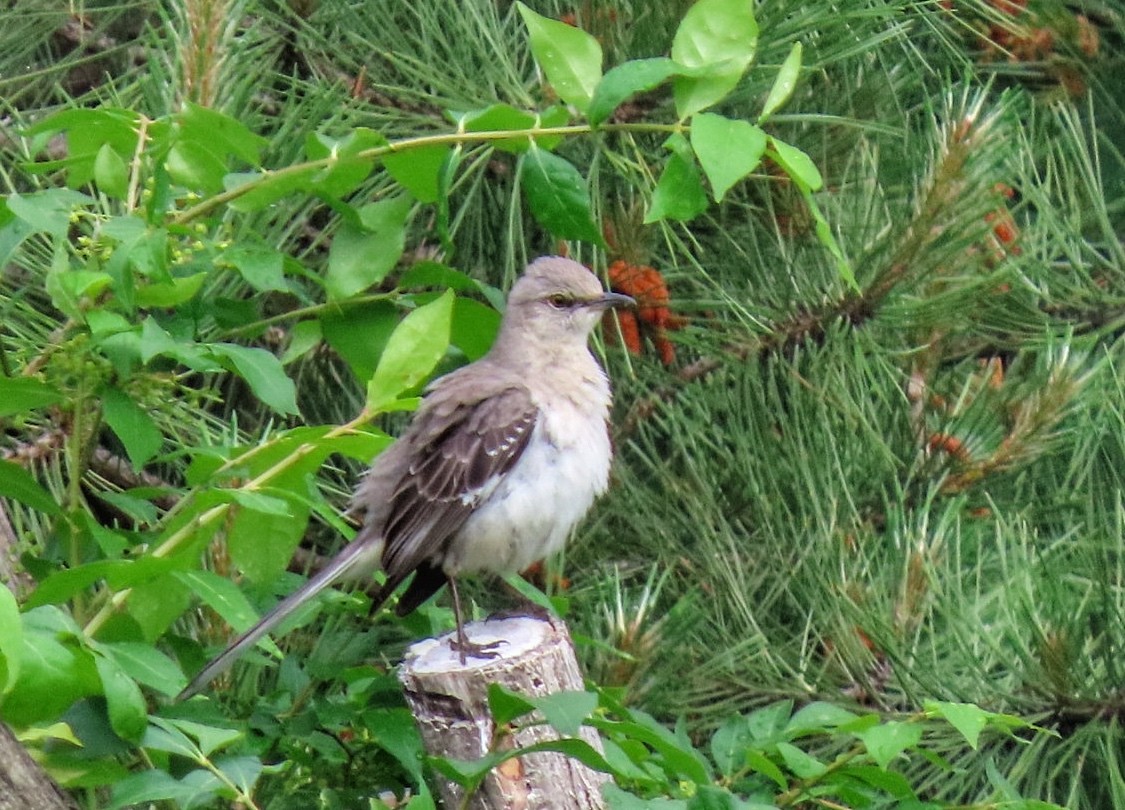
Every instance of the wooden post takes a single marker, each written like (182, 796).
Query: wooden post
(450, 705)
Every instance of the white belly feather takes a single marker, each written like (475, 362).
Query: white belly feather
(532, 510)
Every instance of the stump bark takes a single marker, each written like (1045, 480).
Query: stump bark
(450, 705)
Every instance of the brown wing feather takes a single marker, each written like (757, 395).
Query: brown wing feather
(458, 454)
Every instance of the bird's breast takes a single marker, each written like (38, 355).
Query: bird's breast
(533, 508)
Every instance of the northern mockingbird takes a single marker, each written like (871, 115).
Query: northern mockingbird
(501, 460)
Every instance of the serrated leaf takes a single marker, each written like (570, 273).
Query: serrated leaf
(132, 424)
(262, 371)
(626, 80)
(570, 58)
(111, 173)
(17, 483)
(23, 394)
(558, 197)
(720, 37)
(784, 83)
(363, 252)
(412, 352)
(679, 193)
(727, 149)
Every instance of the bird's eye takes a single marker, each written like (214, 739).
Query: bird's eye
(560, 300)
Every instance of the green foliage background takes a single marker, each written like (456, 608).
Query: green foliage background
(874, 495)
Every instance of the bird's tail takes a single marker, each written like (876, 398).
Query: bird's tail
(354, 557)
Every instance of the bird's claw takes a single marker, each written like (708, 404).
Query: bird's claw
(468, 649)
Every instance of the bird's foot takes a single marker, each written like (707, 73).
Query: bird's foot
(468, 649)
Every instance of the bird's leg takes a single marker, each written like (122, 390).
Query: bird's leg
(462, 645)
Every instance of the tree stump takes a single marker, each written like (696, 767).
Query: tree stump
(450, 705)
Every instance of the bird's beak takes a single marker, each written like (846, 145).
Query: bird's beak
(611, 300)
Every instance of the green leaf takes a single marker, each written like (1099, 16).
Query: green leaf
(730, 744)
(222, 596)
(727, 149)
(803, 765)
(147, 787)
(558, 197)
(258, 502)
(418, 170)
(679, 193)
(262, 371)
(967, 718)
(55, 669)
(127, 713)
(766, 724)
(169, 294)
(263, 189)
(146, 664)
(567, 711)
(796, 164)
(23, 394)
(412, 352)
(132, 425)
(262, 543)
(303, 337)
(818, 716)
(209, 738)
(263, 267)
(359, 333)
(11, 639)
(363, 253)
(498, 118)
(111, 173)
(223, 134)
(625, 81)
(506, 705)
(719, 36)
(62, 585)
(570, 58)
(886, 741)
(712, 797)
(784, 83)
(196, 167)
(760, 763)
(17, 483)
(47, 211)
(474, 327)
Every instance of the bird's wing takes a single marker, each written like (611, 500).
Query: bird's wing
(460, 453)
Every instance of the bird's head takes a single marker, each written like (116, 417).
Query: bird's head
(558, 302)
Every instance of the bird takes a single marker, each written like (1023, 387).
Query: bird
(499, 463)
